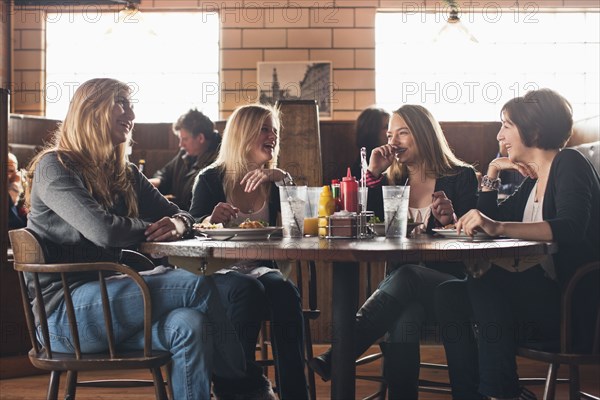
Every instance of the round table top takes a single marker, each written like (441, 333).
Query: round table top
(421, 248)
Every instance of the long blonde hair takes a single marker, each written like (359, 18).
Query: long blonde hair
(431, 143)
(242, 129)
(83, 142)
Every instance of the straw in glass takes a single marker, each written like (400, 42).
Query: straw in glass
(289, 199)
(397, 209)
(363, 174)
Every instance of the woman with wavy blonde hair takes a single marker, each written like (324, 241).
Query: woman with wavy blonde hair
(85, 135)
(238, 186)
(87, 203)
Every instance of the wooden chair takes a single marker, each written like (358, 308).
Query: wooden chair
(567, 354)
(309, 314)
(29, 258)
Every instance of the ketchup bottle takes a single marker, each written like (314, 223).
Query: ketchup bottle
(349, 192)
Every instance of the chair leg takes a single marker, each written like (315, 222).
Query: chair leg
(71, 385)
(263, 343)
(382, 391)
(159, 384)
(550, 389)
(574, 393)
(168, 369)
(312, 387)
(53, 385)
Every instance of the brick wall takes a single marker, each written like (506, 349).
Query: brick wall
(341, 31)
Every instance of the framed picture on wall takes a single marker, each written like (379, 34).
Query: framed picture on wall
(296, 80)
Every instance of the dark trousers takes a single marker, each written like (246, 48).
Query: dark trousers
(508, 309)
(413, 287)
(249, 301)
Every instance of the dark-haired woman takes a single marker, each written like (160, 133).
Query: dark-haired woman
(371, 132)
(559, 201)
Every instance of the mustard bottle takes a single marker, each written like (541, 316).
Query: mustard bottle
(326, 208)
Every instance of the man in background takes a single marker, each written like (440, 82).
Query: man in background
(199, 144)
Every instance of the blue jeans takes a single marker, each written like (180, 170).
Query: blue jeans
(188, 320)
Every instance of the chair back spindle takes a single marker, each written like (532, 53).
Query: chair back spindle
(30, 262)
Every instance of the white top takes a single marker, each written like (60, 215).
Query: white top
(533, 213)
(420, 215)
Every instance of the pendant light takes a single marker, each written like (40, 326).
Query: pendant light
(454, 31)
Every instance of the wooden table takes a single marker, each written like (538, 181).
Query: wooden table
(345, 255)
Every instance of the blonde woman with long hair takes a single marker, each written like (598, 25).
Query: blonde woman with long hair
(441, 188)
(239, 185)
(87, 203)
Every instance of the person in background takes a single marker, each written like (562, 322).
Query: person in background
(17, 214)
(87, 203)
(442, 187)
(371, 129)
(240, 185)
(559, 200)
(199, 145)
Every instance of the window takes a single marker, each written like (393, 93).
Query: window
(516, 52)
(171, 60)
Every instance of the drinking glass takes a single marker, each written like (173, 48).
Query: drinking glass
(395, 207)
(293, 203)
(311, 212)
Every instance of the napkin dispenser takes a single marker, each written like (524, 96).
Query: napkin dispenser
(349, 225)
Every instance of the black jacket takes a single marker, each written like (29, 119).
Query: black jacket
(571, 207)
(178, 175)
(208, 191)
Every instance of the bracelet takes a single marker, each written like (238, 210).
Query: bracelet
(492, 184)
(188, 222)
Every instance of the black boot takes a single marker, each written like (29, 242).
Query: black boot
(253, 386)
(373, 320)
(401, 370)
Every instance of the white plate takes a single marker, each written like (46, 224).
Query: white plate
(451, 233)
(240, 233)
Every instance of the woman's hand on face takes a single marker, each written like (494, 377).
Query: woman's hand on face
(381, 158)
(253, 179)
(223, 213)
(504, 163)
(165, 230)
(442, 208)
(474, 221)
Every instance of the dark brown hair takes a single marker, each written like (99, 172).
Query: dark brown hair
(543, 117)
(195, 122)
(369, 124)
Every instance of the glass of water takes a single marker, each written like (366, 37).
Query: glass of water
(293, 203)
(395, 207)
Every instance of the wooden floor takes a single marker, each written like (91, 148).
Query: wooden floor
(33, 388)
